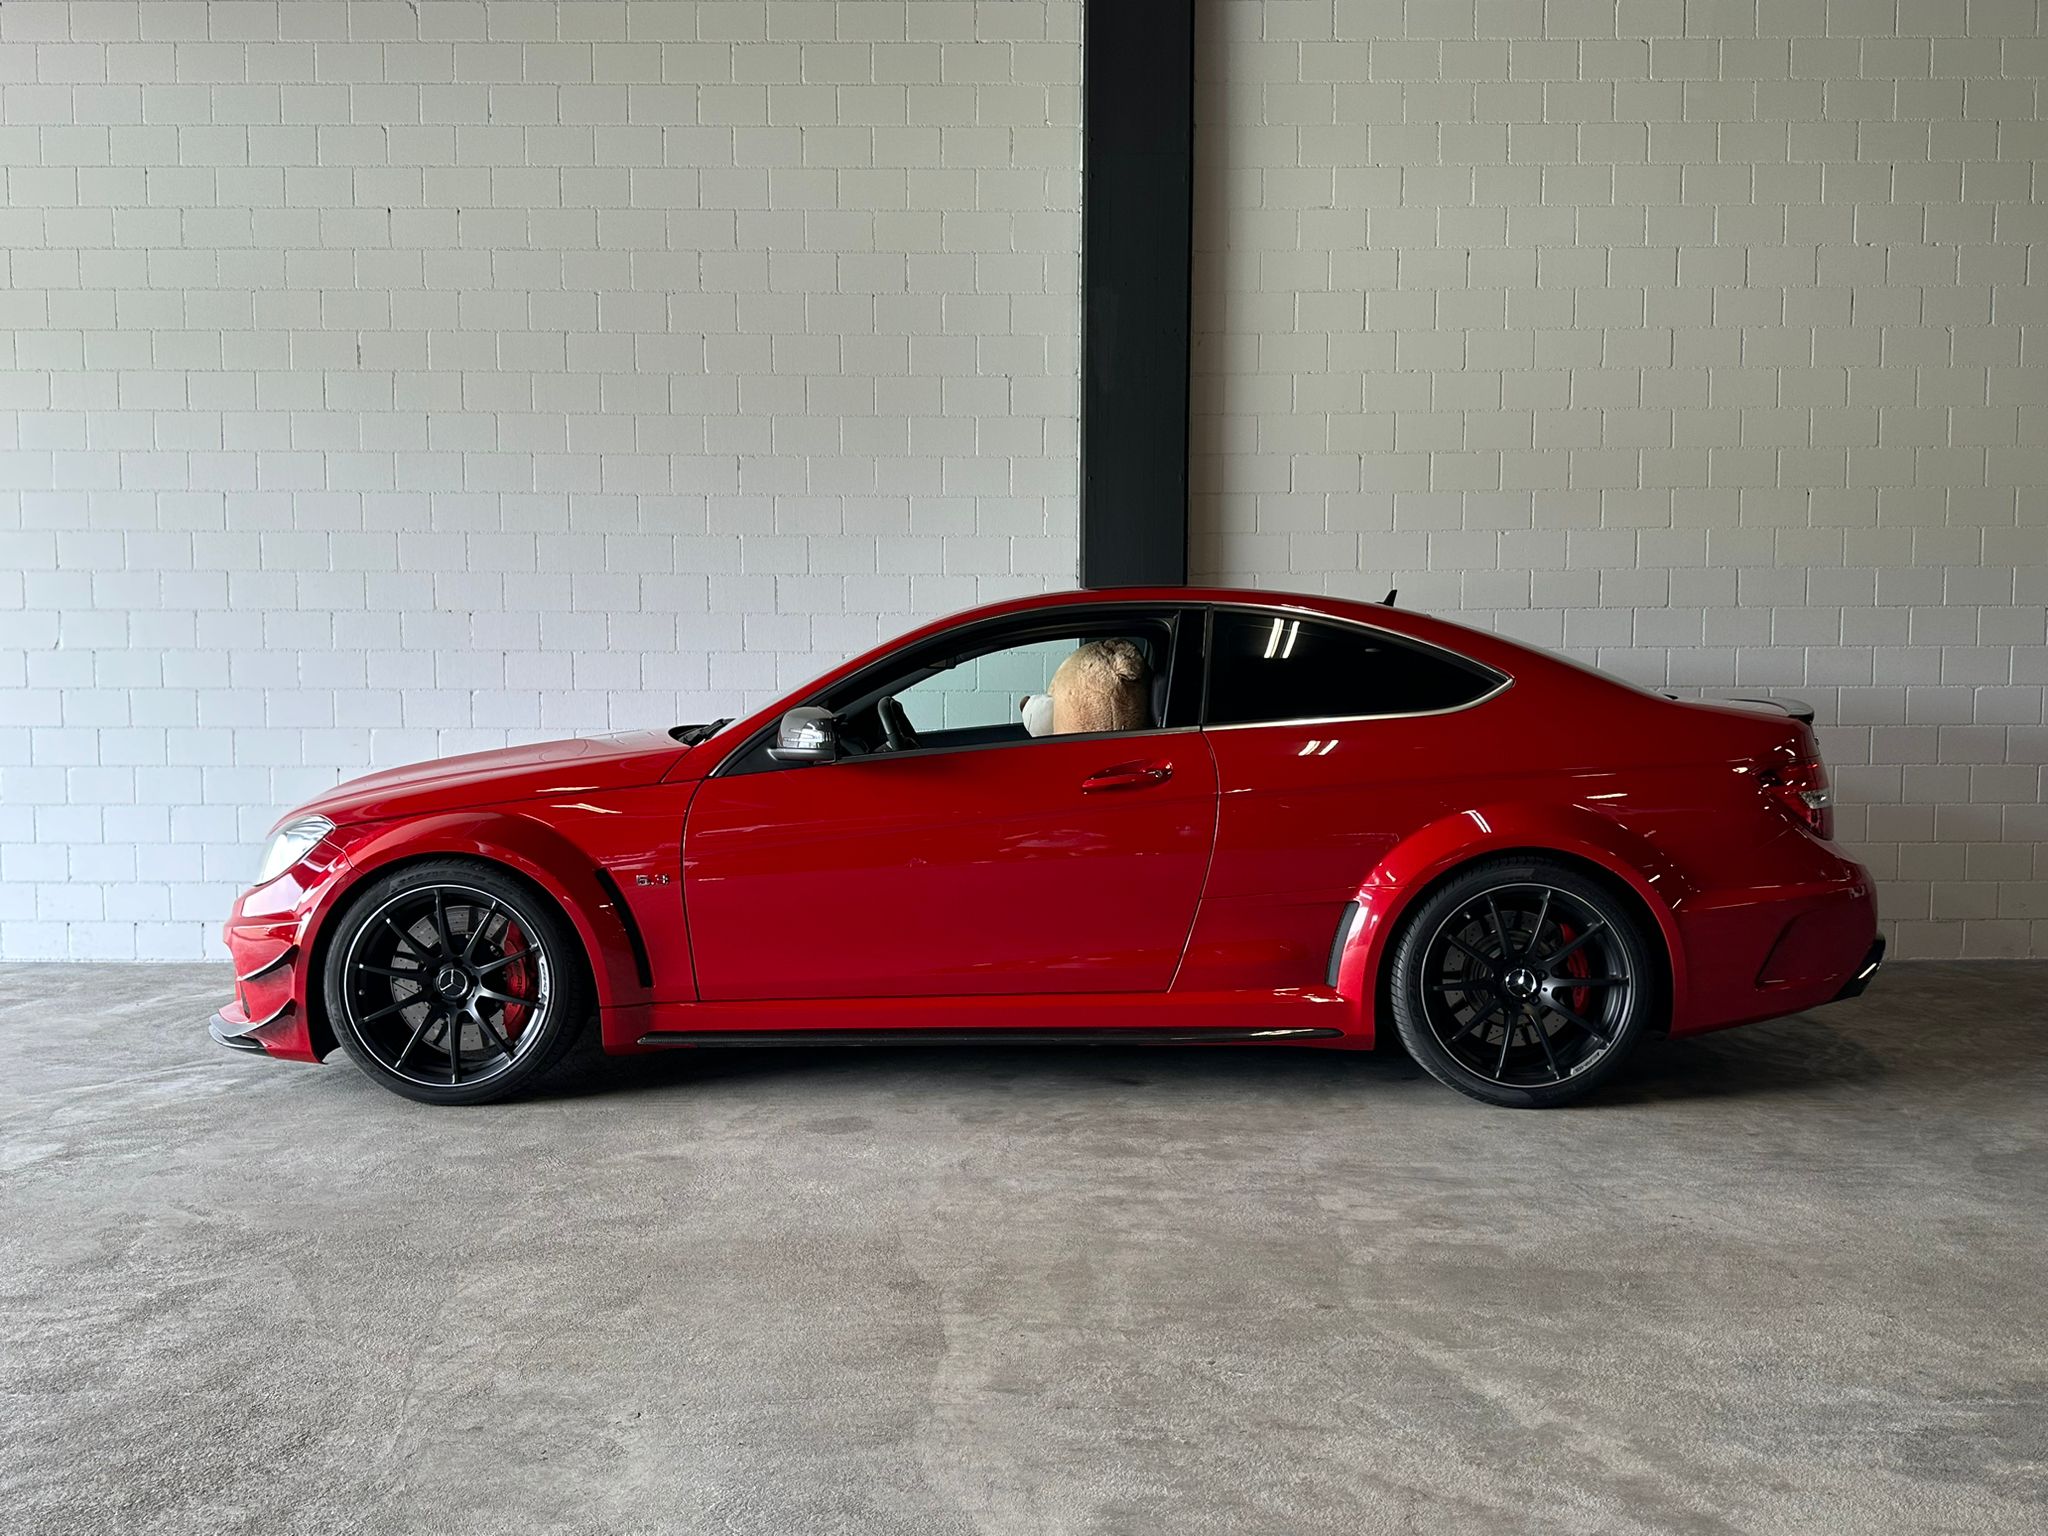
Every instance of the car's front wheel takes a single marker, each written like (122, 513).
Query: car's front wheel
(451, 982)
(1523, 983)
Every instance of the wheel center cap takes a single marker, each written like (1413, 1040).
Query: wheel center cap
(451, 980)
(1521, 982)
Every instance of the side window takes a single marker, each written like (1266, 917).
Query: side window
(1097, 679)
(1273, 666)
(970, 688)
(985, 691)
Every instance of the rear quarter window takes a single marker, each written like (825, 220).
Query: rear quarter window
(1274, 666)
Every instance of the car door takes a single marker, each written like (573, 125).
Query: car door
(990, 864)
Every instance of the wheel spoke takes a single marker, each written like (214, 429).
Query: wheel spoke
(385, 970)
(408, 940)
(1507, 1037)
(1543, 1038)
(402, 1004)
(489, 966)
(414, 1038)
(1485, 960)
(454, 1049)
(1536, 933)
(1499, 930)
(1558, 954)
(507, 998)
(491, 1034)
(441, 922)
(477, 931)
(1474, 1022)
(1579, 1019)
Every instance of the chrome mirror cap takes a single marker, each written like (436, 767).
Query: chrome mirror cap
(806, 735)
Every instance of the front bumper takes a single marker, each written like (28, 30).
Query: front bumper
(269, 936)
(234, 1034)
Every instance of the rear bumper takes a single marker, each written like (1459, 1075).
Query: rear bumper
(1805, 945)
(1854, 986)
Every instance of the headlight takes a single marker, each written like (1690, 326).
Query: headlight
(291, 843)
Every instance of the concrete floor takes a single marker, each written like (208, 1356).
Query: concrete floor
(1785, 1279)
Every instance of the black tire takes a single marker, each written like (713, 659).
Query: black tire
(1523, 983)
(501, 992)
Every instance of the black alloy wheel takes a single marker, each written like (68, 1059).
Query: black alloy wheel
(1523, 983)
(452, 983)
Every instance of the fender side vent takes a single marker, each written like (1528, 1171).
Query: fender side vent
(1344, 922)
(634, 941)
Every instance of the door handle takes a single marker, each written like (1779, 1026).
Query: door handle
(1127, 776)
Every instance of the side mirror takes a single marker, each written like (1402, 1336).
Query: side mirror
(807, 735)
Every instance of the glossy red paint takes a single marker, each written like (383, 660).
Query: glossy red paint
(561, 770)
(1068, 882)
(979, 873)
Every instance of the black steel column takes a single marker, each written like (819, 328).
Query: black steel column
(1137, 239)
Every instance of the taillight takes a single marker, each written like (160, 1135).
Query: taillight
(1800, 785)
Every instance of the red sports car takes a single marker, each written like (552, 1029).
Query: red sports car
(1157, 815)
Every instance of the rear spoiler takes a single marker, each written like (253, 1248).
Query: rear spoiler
(1794, 709)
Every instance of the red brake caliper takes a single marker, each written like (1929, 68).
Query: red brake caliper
(515, 978)
(1577, 963)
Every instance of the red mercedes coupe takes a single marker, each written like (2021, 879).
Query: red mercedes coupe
(1138, 815)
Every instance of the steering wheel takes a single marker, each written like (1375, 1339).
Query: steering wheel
(897, 735)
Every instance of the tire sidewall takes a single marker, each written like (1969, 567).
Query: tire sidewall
(1420, 926)
(567, 1002)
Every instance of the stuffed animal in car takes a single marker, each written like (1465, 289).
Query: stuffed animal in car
(1103, 686)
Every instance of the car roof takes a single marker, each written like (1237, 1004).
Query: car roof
(1478, 644)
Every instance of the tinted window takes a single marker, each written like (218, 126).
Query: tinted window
(1269, 666)
(986, 690)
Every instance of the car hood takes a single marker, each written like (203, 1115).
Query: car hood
(581, 765)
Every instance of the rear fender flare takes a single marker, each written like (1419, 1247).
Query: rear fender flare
(1432, 851)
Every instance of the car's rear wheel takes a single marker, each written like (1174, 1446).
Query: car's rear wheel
(1523, 983)
(451, 982)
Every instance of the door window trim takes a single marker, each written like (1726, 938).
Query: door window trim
(1502, 681)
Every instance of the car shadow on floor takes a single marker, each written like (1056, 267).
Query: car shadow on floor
(590, 1073)
(1800, 1054)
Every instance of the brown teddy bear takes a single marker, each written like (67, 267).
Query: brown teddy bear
(1103, 686)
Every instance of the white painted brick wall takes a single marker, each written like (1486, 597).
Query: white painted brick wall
(379, 381)
(385, 380)
(1703, 339)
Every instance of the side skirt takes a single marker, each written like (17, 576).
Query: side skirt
(1313, 1016)
(707, 1038)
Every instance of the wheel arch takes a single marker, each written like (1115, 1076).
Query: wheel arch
(1625, 863)
(536, 856)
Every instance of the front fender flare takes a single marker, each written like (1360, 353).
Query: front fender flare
(530, 848)
(1432, 851)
